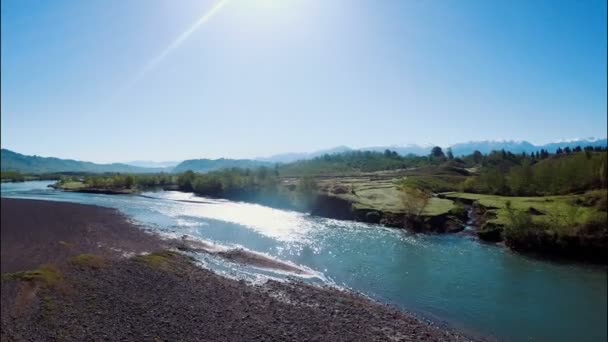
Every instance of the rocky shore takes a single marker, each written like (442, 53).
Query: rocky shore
(73, 272)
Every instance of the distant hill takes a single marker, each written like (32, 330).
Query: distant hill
(573, 143)
(402, 150)
(419, 150)
(146, 163)
(207, 165)
(520, 146)
(292, 157)
(13, 161)
(459, 149)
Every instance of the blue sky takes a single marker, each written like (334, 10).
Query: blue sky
(106, 80)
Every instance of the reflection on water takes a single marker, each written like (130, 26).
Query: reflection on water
(471, 285)
(277, 224)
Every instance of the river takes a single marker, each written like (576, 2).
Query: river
(454, 279)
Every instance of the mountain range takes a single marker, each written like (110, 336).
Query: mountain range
(154, 164)
(521, 146)
(207, 165)
(13, 161)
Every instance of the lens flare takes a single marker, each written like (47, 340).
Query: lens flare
(174, 45)
(182, 37)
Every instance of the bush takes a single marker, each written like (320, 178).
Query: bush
(458, 210)
(433, 183)
(519, 225)
(209, 186)
(595, 224)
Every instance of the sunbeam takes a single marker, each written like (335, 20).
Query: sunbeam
(174, 45)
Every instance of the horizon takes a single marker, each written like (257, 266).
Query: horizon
(134, 162)
(252, 79)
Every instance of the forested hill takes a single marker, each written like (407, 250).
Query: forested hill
(13, 161)
(207, 165)
(517, 147)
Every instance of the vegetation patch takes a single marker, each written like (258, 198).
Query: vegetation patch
(49, 306)
(160, 260)
(47, 275)
(560, 215)
(458, 210)
(382, 197)
(435, 183)
(71, 185)
(89, 261)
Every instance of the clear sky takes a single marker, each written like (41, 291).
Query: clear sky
(119, 80)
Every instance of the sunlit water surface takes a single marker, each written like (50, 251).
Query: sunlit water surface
(454, 279)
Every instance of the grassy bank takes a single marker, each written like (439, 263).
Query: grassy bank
(567, 209)
(573, 226)
(382, 195)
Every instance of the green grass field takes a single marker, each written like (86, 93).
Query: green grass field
(552, 209)
(71, 185)
(380, 194)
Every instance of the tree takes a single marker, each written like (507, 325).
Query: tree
(437, 154)
(207, 185)
(450, 154)
(477, 157)
(521, 179)
(518, 226)
(185, 180)
(414, 200)
(559, 150)
(567, 150)
(493, 180)
(129, 181)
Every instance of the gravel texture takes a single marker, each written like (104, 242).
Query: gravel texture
(162, 296)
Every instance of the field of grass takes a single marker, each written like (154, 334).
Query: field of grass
(551, 209)
(378, 193)
(71, 185)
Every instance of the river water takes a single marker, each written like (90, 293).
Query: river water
(453, 279)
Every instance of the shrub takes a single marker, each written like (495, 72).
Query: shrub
(88, 260)
(458, 210)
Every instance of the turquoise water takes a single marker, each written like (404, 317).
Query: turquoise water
(455, 279)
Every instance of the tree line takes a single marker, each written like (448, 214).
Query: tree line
(563, 173)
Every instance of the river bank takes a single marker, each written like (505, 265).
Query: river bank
(567, 227)
(71, 272)
(354, 198)
(375, 198)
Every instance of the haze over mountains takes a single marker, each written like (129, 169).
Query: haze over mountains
(13, 161)
(154, 164)
(459, 149)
